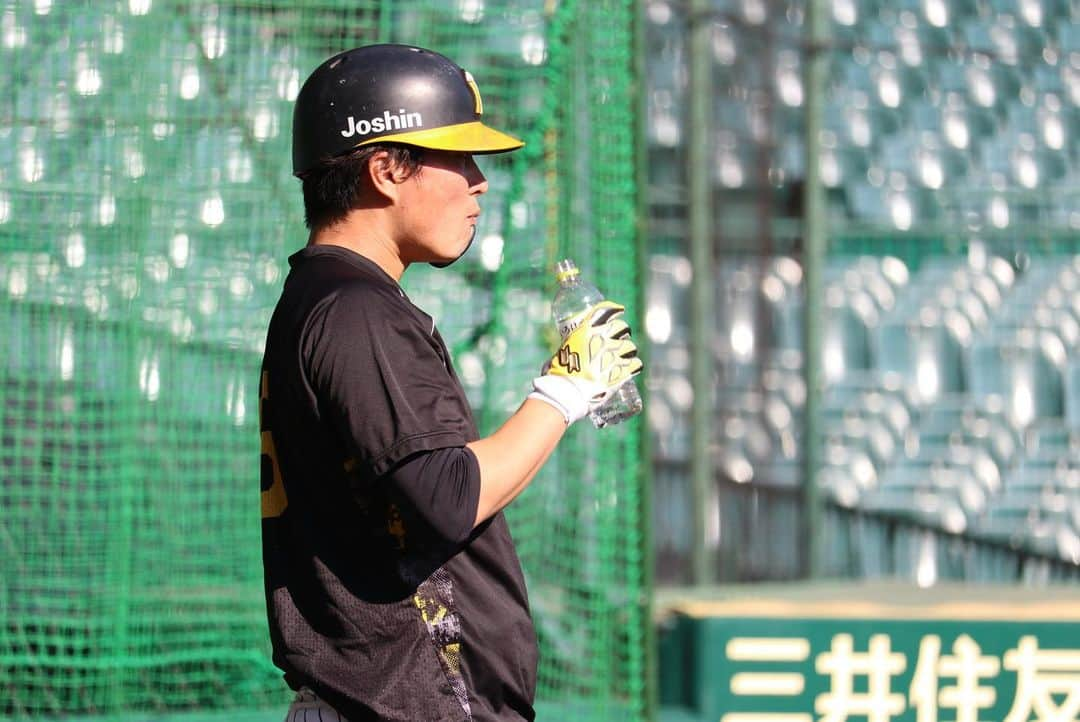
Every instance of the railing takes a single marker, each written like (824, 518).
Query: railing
(757, 537)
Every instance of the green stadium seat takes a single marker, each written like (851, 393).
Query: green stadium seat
(853, 112)
(992, 431)
(979, 462)
(897, 154)
(1070, 81)
(781, 376)
(733, 117)
(939, 165)
(840, 484)
(1059, 321)
(1015, 9)
(939, 508)
(943, 421)
(1041, 520)
(844, 165)
(950, 80)
(1046, 79)
(965, 468)
(784, 422)
(668, 417)
(922, 353)
(783, 473)
(1068, 37)
(965, 125)
(872, 434)
(791, 154)
(1009, 518)
(1049, 438)
(996, 157)
(671, 510)
(667, 299)
(1071, 388)
(847, 473)
(867, 203)
(890, 404)
(1021, 118)
(738, 304)
(1034, 475)
(860, 387)
(883, 278)
(781, 294)
(1020, 372)
(850, 317)
(1030, 39)
(923, 116)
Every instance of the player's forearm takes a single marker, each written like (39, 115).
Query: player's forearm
(511, 457)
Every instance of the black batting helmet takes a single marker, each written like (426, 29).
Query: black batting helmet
(390, 94)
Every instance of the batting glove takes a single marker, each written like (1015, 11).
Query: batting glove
(594, 360)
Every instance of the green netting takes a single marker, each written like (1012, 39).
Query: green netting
(146, 211)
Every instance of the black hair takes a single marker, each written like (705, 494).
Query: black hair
(336, 186)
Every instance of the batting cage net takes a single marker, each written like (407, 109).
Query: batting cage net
(146, 214)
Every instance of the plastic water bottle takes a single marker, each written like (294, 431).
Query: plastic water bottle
(574, 296)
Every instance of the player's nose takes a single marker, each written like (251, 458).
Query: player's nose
(478, 184)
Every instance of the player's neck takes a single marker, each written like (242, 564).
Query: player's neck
(364, 235)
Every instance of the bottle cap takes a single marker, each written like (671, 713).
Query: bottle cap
(565, 269)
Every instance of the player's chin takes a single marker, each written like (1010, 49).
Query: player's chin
(464, 241)
(448, 253)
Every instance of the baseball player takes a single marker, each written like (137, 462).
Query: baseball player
(392, 585)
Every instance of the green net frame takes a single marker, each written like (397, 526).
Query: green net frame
(146, 212)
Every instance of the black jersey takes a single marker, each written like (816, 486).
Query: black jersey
(386, 605)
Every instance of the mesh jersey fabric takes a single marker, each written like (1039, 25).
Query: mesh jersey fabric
(369, 605)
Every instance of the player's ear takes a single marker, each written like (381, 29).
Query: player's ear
(386, 174)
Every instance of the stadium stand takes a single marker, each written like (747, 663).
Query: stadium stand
(951, 155)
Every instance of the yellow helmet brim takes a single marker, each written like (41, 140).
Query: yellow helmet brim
(473, 137)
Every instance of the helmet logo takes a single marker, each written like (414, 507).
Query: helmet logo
(475, 91)
(382, 123)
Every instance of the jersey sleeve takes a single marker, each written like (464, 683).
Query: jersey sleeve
(382, 379)
(443, 486)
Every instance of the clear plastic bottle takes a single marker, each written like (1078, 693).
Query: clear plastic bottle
(574, 296)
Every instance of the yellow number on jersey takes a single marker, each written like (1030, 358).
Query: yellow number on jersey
(273, 499)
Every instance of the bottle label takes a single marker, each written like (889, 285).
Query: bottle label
(566, 325)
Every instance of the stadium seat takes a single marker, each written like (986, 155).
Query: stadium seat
(781, 376)
(863, 429)
(847, 473)
(781, 293)
(1017, 159)
(668, 423)
(943, 421)
(737, 306)
(1060, 321)
(1020, 372)
(667, 298)
(1068, 37)
(840, 166)
(921, 352)
(744, 438)
(1009, 518)
(1072, 393)
(1040, 520)
(1033, 476)
(938, 507)
(850, 317)
(868, 203)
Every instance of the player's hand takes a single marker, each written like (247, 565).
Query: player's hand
(593, 361)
